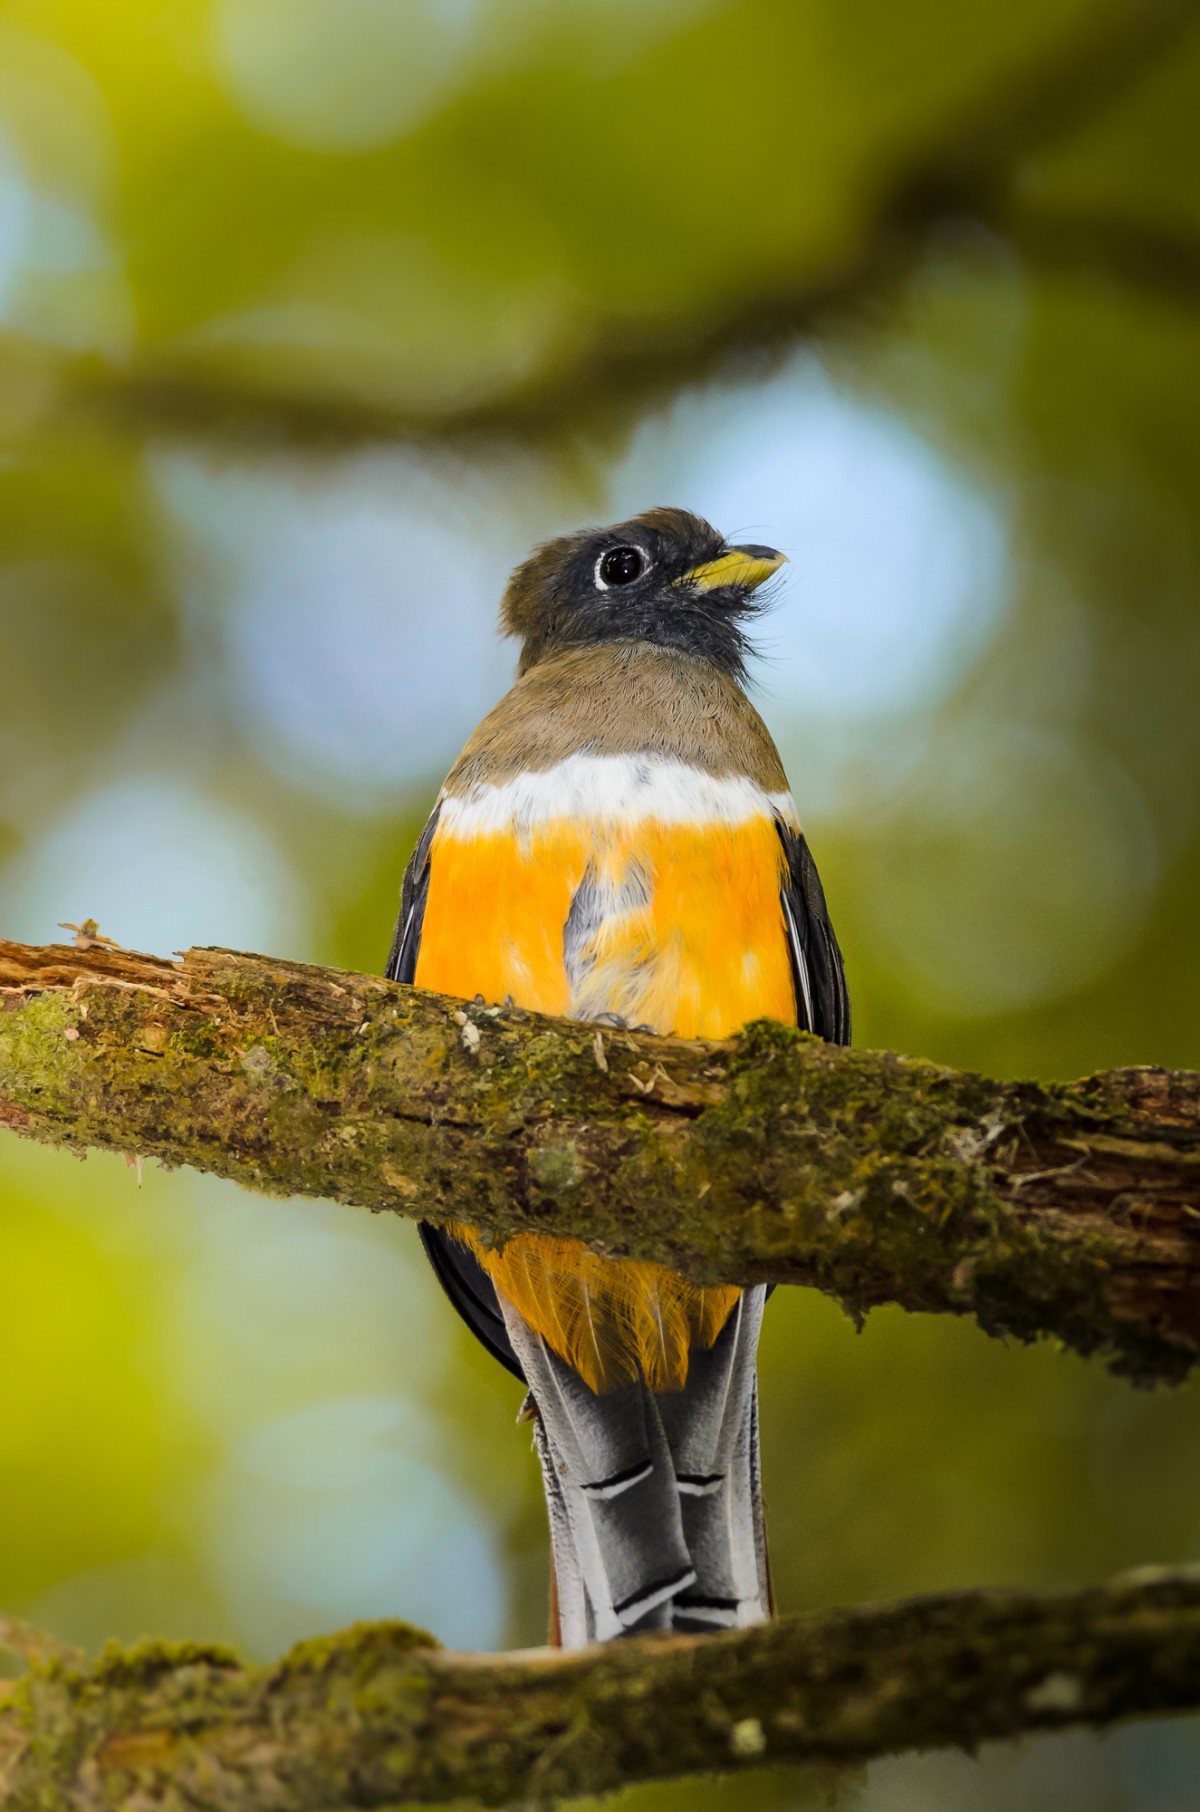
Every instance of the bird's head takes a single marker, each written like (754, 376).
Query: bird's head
(665, 577)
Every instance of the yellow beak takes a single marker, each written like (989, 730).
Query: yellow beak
(744, 567)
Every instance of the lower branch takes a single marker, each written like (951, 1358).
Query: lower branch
(377, 1716)
(1063, 1209)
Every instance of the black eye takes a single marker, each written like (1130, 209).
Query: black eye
(621, 566)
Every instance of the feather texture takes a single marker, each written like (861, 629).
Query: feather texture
(635, 919)
(672, 926)
(712, 1432)
(614, 1320)
(655, 1509)
(620, 1556)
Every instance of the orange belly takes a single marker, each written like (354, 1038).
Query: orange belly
(674, 928)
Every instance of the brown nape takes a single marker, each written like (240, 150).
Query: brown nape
(524, 602)
(618, 698)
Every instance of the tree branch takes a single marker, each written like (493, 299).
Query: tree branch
(377, 1716)
(1068, 1209)
(1160, 260)
(616, 362)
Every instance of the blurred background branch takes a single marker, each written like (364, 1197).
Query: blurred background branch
(627, 366)
(1158, 260)
(979, 172)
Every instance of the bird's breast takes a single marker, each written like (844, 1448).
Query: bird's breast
(629, 889)
(638, 890)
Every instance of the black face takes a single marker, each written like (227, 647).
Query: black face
(666, 577)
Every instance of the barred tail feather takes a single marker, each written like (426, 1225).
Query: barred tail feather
(654, 1503)
(615, 1524)
(712, 1428)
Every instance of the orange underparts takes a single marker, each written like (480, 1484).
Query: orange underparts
(688, 938)
(612, 1319)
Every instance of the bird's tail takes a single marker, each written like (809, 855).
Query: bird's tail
(654, 1501)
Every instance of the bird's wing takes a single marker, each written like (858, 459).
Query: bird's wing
(460, 1274)
(822, 1002)
(406, 941)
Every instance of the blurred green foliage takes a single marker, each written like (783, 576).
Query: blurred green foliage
(312, 318)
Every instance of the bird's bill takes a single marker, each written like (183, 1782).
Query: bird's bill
(743, 567)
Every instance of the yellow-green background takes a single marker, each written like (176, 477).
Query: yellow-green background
(313, 317)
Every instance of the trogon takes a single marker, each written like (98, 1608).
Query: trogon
(617, 843)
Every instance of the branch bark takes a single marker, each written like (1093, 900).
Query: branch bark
(378, 1716)
(1068, 1209)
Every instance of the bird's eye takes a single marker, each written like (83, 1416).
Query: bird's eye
(621, 566)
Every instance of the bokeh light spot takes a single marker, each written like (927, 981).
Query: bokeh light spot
(358, 632)
(339, 1511)
(14, 221)
(1013, 873)
(340, 75)
(160, 866)
(898, 567)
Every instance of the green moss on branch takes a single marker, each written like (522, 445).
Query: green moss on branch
(378, 1716)
(1071, 1210)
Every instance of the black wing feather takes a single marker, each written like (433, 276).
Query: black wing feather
(460, 1274)
(472, 1293)
(414, 892)
(822, 1002)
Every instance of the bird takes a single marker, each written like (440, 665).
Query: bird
(617, 844)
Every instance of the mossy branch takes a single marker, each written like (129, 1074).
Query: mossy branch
(378, 1716)
(1068, 1209)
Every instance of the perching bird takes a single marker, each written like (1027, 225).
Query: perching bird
(617, 843)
